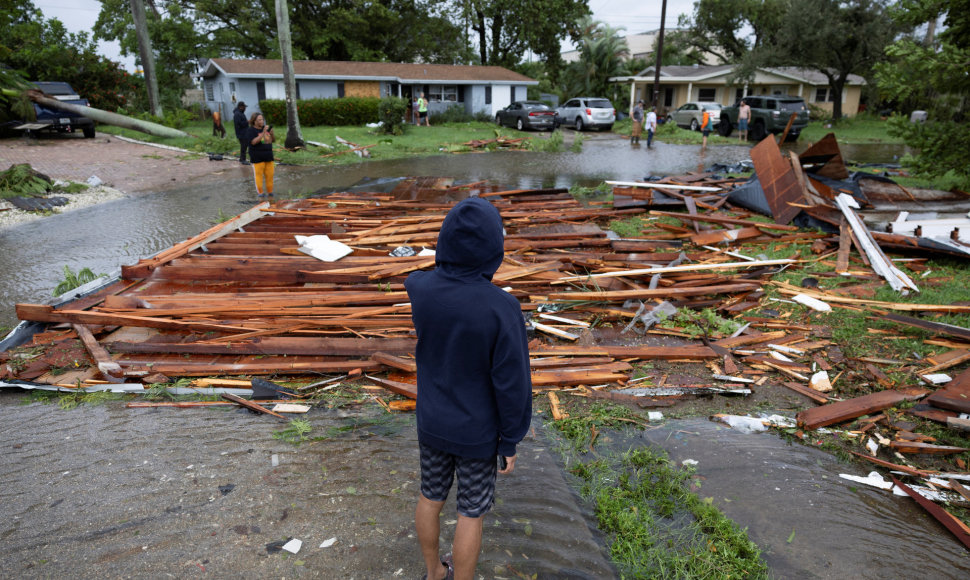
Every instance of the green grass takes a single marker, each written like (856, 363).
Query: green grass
(852, 130)
(415, 142)
(657, 526)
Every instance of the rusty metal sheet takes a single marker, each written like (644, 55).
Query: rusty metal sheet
(778, 181)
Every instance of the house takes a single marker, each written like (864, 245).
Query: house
(682, 84)
(477, 89)
(642, 45)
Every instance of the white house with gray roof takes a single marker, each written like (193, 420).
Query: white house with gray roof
(477, 89)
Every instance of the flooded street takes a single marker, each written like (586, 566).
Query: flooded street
(108, 491)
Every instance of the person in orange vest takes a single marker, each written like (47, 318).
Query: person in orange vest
(705, 128)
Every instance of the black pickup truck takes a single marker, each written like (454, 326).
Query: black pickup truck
(62, 121)
(769, 114)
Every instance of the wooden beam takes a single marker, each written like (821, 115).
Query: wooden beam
(850, 409)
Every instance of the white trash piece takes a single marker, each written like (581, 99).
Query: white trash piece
(95, 181)
(813, 303)
(293, 546)
(323, 248)
(328, 543)
(820, 382)
(744, 424)
(874, 479)
(655, 416)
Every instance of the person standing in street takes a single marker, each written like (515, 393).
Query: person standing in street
(637, 115)
(423, 111)
(744, 115)
(651, 126)
(474, 382)
(260, 140)
(242, 129)
(705, 127)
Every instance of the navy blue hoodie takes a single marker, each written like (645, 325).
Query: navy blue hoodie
(474, 384)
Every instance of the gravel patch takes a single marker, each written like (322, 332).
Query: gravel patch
(91, 196)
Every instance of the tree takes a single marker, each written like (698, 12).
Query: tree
(40, 49)
(729, 30)
(846, 37)
(601, 56)
(932, 77)
(506, 29)
(294, 137)
(147, 56)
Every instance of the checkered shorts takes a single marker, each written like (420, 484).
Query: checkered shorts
(476, 480)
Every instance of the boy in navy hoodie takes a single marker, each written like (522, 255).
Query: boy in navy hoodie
(474, 385)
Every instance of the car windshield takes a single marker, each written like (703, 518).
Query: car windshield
(793, 106)
(535, 106)
(598, 104)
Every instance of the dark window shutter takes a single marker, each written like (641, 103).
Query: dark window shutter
(260, 90)
(340, 90)
(488, 95)
(298, 91)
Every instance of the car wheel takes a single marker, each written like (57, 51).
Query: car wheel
(758, 131)
(519, 125)
(724, 128)
(579, 123)
(89, 132)
(694, 125)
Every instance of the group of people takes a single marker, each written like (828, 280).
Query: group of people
(256, 141)
(744, 115)
(638, 123)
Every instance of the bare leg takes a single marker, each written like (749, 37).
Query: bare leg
(429, 529)
(468, 544)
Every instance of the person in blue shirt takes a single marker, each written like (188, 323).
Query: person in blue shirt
(474, 384)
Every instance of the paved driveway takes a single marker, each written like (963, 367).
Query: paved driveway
(129, 167)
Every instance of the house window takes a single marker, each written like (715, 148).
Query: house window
(260, 91)
(298, 91)
(488, 95)
(668, 96)
(232, 87)
(443, 93)
(209, 92)
(823, 95)
(340, 90)
(738, 94)
(707, 95)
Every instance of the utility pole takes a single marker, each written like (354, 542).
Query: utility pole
(660, 52)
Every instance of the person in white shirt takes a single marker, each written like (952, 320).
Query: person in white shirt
(651, 124)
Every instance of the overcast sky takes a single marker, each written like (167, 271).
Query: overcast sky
(632, 15)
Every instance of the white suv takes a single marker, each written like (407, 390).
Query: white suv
(583, 112)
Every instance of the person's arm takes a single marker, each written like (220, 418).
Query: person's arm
(512, 380)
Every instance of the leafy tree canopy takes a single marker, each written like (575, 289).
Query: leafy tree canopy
(932, 77)
(729, 29)
(602, 51)
(43, 50)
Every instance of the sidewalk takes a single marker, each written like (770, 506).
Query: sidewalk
(128, 167)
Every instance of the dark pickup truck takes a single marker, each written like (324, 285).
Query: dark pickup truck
(62, 121)
(769, 114)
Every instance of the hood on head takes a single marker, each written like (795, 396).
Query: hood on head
(471, 240)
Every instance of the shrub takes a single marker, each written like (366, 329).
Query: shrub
(392, 111)
(453, 114)
(332, 112)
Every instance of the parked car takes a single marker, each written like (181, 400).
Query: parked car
(583, 112)
(527, 115)
(62, 121)
(769, 114)
(690, 115)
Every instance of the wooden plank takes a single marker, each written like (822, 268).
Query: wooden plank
(45, 313)
(919, 447)
(716, 219)
(955, 396)
(404, 389)
(673, 269)
(951, 523)
(807, 392)
(108, 367)
(666, 293)
(291, 346)
(250, 405)
(845, 246)
(934, 327)
(404, 364)
(850, 409)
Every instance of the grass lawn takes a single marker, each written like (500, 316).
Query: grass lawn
(415, 142)
(854, 130)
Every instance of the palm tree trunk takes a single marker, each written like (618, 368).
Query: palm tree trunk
(294, 136)
(106, 117)
(147, 56)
